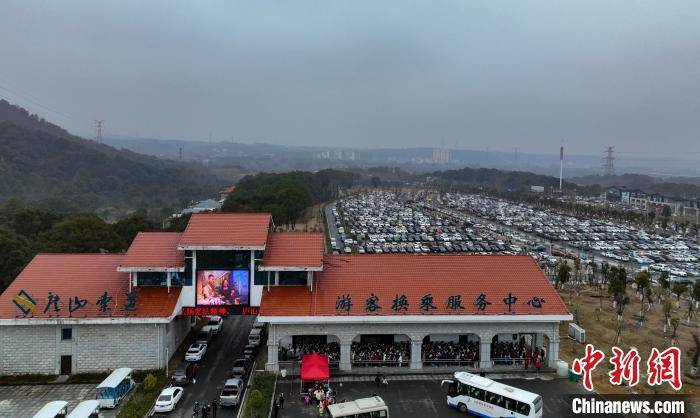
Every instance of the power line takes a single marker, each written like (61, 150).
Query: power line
(27, 97)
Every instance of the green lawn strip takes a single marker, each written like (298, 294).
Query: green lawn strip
(145, 393)
(260, 396)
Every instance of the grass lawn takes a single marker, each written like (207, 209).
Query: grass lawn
(601, 329)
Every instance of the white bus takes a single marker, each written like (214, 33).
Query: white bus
(487, 398)
(115, 387)
(373, 407)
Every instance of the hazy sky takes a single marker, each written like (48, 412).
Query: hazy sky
(486, 73)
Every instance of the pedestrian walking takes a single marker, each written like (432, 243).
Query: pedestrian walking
(205, 413)
(377, 380)
(385, 382)
(275, 409)
(214, 407)
(280, 401)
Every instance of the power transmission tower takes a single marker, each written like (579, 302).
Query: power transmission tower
(608, 161)
(98, 126)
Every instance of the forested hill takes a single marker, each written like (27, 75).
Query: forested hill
(500, 180)
(42, 163)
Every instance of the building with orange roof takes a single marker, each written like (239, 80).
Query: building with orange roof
(92, 312)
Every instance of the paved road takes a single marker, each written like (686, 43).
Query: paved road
(423, 397)
(224, 350)
(330, 224)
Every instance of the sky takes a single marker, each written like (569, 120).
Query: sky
(471, 74)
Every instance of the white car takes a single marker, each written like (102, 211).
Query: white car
(195, 352)
(215, 323)
(168, 399)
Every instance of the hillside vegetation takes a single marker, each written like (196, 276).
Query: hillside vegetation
(43, 164)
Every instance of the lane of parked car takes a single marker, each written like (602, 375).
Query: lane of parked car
(214, 370)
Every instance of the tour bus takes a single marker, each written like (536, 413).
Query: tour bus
(53, 409)
(361, 408)
(115, 387)
(86, 409)
(470, 393)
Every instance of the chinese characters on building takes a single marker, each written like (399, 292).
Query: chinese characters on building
(55, 304)
(427, 303)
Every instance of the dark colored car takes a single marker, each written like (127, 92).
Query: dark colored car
(184, 373)
(240, 368)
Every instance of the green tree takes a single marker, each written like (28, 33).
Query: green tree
(16, 253)
(679, 290)
(643, 281)
(563, 274)
(696, 292)
(25, 220)
(664, 281)
(256, 404)
(127, 228)
(80, 234)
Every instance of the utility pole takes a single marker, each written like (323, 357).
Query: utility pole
(561, 166)
(608, 161)
(98, 126)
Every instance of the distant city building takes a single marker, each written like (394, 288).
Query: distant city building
(537, 189)
(441, 156)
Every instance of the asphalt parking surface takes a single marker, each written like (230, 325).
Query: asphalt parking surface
(225, 348)
(423, 397)
(25, 401)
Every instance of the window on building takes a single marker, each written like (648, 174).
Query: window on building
(260, 278)
(67, 334)
(292, 278)
(152, 278)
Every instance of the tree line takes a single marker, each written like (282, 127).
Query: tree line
(26, 230)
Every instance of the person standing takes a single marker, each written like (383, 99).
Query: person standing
(280, 401)
(214, 407)
(275, 409)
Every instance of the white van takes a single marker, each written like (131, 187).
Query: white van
(254, 338)
(361, 408)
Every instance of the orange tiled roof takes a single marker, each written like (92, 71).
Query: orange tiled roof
(226, 230)
(294, 249)
(86, 276)
(441, 276)
(154, 250)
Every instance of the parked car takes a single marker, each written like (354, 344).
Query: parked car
(168, 399)
(205, 335)
(232, 392)
(184, 373)
(249, 351)
(216, 323)
(196, 352)
(240, 368)
(255, 337)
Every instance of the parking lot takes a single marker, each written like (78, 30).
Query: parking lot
(385, 222)
(378, 222)
(24, 401)
(416, 396)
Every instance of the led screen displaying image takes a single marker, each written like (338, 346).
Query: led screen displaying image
(223, 287)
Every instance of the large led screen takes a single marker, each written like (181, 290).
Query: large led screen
(223, 287)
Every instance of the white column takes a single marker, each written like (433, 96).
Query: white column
(485, 353)
(553, 351)
(345, 358)
(272, 364)
(416, 354)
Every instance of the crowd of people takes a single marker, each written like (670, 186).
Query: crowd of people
(380, 354)
(511, 353)
(320, 395)
(451, 353)
(296, 351)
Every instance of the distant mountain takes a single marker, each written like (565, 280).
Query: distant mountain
(42, 163)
